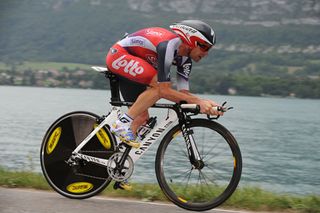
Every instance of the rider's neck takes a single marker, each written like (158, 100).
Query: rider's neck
(184, 50)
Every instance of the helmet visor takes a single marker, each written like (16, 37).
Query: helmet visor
(204, 46)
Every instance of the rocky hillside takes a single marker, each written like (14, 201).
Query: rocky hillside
(239, 12)
(245, 12)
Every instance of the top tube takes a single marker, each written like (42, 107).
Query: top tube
(125, 103)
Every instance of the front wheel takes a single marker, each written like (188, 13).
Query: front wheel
(82, 179)
(209, 183)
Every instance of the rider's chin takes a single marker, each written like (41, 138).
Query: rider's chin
(197, 59)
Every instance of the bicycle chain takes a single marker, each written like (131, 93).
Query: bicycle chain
(96, 151)
(91, 176)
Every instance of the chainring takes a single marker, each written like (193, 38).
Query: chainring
(114, 172)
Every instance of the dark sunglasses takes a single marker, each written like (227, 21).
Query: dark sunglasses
(204, 47)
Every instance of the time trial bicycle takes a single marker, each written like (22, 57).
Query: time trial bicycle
(198, 162)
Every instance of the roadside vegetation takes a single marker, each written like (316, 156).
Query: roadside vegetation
(248, 198)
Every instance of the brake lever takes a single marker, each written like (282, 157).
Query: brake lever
(222, 108)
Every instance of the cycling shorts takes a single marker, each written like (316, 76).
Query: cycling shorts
(133, 68)
(130, 90)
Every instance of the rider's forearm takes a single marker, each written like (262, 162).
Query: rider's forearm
(189, 93)
(177, 96)
(153, 94)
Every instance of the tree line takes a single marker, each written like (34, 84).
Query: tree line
(225, 83)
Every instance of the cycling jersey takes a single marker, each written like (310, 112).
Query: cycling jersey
(149, 52)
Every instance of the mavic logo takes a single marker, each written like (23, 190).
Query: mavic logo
(132, 67)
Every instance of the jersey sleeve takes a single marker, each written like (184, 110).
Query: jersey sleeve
(165, 51)
(183, 72)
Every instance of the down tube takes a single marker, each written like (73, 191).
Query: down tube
(109, 119)
(156, 133)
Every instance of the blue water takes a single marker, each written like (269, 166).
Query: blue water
(279, 138)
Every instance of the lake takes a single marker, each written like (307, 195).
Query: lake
(279, 137)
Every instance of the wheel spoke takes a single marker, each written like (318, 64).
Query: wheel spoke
(179, 175)
(209, 151)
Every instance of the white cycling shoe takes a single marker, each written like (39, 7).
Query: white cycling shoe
(125, 134)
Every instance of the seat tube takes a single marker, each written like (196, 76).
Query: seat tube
(114, 87)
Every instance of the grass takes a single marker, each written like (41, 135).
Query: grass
(22, 179)
(248, 198)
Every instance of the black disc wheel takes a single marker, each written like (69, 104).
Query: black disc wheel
(81, 179)
(205, 183)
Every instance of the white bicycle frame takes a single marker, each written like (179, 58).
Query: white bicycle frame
(156, 133)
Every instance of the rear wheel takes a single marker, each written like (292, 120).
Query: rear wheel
(204, 184)
(83, 179)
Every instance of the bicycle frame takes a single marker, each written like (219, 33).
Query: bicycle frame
(174, 115)
(156, 133)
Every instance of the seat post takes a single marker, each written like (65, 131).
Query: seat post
(114, 86)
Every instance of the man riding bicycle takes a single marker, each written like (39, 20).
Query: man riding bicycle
(143, 59)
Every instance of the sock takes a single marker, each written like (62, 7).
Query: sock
(126, 119)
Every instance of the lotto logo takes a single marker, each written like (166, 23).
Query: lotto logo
(132, 67)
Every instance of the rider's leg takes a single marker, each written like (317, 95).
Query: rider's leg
(130, 91)
(139, 120)
(132, 68)
(144, 101)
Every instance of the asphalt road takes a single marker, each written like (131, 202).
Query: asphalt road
(35, 201)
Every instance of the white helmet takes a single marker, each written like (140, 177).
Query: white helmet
(195, 33)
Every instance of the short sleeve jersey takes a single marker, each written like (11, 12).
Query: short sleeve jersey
(159, 47)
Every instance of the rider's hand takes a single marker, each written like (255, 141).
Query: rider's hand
(208, 107)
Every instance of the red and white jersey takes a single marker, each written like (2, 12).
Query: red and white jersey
(158, 46)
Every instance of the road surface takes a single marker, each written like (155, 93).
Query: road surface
(36, 201)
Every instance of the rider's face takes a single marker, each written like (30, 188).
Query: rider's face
(197, 54)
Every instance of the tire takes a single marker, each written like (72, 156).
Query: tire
(64, 135)
(199, 189)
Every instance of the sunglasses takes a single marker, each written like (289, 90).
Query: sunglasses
(204, 47)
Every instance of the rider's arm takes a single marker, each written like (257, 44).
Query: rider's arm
(164, 90)
(166, 51)
(162, 82)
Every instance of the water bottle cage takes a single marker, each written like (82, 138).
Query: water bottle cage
(145, 129)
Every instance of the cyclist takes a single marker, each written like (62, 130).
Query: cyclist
(143, 59)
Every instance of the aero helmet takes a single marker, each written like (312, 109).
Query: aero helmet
(195, 33)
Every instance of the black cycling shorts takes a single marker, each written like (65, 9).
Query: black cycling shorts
(130, 90)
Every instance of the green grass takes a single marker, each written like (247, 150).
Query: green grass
(22, 179)
(248, 198)
(26, 65)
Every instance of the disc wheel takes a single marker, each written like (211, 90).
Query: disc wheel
(82, 179)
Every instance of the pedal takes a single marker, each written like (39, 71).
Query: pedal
(116, 185)
(122, 186)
